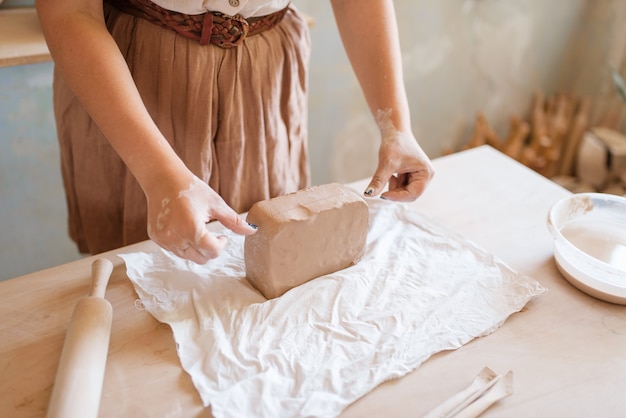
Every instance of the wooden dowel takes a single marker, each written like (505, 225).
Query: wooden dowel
(518, 133)
(572, 142)
(490, 136)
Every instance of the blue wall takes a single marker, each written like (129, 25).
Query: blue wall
(18, 3)
(32, 204)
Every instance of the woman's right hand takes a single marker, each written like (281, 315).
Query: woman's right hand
(177, 218)
(179, 204)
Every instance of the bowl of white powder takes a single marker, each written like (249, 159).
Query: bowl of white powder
(589, 231)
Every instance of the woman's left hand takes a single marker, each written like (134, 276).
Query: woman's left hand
(404, 165)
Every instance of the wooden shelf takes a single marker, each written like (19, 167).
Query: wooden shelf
(21, 38)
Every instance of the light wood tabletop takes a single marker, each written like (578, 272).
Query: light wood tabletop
(566, 349)
(21, 37)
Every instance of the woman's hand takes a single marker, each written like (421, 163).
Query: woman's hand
(177, 217)
(403, 164)
(370, 37)
(179, 204)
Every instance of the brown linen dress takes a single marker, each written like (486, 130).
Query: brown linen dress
(237, 118)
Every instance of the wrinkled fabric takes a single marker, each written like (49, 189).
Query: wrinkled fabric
(418, 290)
(236, 117)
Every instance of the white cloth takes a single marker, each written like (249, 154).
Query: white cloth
(418, 290)
(246, 8)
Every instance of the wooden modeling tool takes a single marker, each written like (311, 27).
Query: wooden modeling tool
(486, 389)
(502, 388)
(456, 403)
(78, 384)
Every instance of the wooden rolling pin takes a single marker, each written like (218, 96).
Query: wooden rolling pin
(78, 384)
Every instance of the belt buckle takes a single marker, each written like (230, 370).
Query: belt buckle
(234, 30)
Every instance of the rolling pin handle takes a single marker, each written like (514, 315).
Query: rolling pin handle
(101, 270)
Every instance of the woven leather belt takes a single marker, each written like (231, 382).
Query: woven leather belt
(212, 27)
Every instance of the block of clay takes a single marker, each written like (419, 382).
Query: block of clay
(304, 235)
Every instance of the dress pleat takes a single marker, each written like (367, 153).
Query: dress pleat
(237, 117)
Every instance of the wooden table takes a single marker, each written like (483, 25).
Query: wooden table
(21, 38)
(567, 350)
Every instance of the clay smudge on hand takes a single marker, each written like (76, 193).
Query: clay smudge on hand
(200, 229)
(383, 120)
(162, 216)
(388, 130)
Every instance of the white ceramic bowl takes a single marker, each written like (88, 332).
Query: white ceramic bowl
(589, 231)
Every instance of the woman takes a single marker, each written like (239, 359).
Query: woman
(177, 112)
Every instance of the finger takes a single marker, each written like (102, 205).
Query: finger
(407, 187)
(399, 195)
(207, 247)
(186, 252)
(191, 253)
(231, 220)
(202, 250)
(378, 182)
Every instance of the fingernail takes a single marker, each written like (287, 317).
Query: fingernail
(369, 192)
(253, 225)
